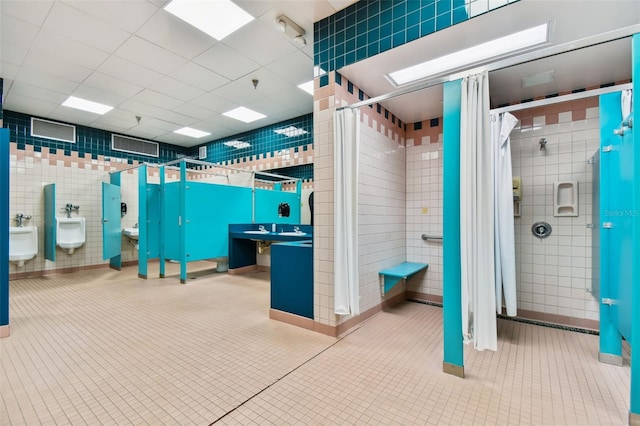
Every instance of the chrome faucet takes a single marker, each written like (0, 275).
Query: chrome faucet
(296, 229)
(262, 228)
(20, 217)
(69, 207)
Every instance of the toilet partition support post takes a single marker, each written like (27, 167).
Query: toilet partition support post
(116, 179)
(143, 250)
(4, 231)
(453, 362)
(163, 219)
(183, 222)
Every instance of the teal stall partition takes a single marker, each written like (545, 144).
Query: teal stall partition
(267, 202)
(111, 233)
(50, 237)
(4, 232)
(171, 221)
(453, 362)
(149, 207)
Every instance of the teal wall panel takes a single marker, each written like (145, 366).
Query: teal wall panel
(50, 238)
(170, 227)
(210, 208)
(4, 225)
(267, 203)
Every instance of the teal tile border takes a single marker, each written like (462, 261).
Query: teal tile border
(369, 27)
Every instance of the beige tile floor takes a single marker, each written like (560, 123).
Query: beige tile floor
(104, 347)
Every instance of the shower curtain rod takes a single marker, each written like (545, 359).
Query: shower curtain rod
(583, 43)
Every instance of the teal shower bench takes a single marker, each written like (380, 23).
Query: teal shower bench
(391, 276)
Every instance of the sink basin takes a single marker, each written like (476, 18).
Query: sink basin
(293, 233)
(256, 232)
(132, 233)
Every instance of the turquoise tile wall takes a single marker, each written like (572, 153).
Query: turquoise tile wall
(370, 27)
(88, 141)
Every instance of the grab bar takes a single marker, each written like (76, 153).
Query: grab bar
(430, 237)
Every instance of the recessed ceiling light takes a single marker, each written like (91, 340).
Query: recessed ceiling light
(472, 55)
(237, 144)
(307, 87)
(538, 79)
(244, 114)
(85, 105)
(291, 131)
(194, 133)
(217, 18)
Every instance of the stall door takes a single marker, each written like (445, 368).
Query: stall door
(111, 236)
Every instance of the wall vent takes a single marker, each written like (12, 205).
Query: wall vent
(135, 146)
(202, 153)
(51, 130)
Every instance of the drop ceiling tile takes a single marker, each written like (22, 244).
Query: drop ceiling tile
(144, 53)
(260, 42)
(193, 111)
(256, 8)
(17, 32)
(161, 124)
(72, 115)
(33, 12)
(152, 97)
(270, 104)
(97, 95)
(214, 103)
(128, 15)
(129, 72)
(66, 49)
(8, 71)
(113, 124)
(46, 81)
(268, 83)
(199, 77)
(56, 67)
(175, 35)
(176, 89)
(145, 132)
(179, 140)
(226, 62)
(33, 92)
(112, 84)
(13, 54)
(29, 106)
(296, 68)
(240, 92)
(79, 26)
(174, 117)
(140, 108)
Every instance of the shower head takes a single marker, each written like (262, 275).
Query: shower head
(543, 144)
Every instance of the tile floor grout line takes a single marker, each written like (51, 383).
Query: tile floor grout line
(339, 339)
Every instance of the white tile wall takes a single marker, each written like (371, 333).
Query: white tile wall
(381, 214)
(554, 274)
(424, 215)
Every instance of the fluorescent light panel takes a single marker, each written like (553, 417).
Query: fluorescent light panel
(194, 133)
(307, 87)
(85, 105)
(244, 114)
(217, 18)
(291, 131)
(237, 144)
(472, 55)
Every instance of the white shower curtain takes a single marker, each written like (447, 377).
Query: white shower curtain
(505, 246)
(346, 131)
(477, 215)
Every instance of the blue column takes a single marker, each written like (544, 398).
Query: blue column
(142, 223)
(453, 362)
(183, 222)
(4, 232)
(610, 351)
(634, 404)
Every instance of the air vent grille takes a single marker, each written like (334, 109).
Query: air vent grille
(134, 146)
(51, 130)
(202, 153)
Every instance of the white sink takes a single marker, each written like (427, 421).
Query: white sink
(293, 233)
(257, 232)
(132, 233)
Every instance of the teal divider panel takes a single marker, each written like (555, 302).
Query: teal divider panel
(143, 231)
(634, 406)
(171, 226)
(609, 199)
(452, 281)
(111, 233)
(4, 227)
(210, 208)
(267, 203)
(163, 221)
(50, 238)
(153, 220)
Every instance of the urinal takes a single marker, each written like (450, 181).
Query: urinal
(23, 244)
(70, 233)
